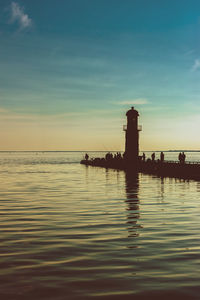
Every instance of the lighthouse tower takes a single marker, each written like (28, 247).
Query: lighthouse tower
(132, 136)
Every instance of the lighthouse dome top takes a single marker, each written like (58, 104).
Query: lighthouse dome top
(132, 113)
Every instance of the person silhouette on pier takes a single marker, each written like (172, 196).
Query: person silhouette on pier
(109, 156)
(162, 156)
(180, 157)
(183, 157)
(153, 156)
(119, 156)
(143, 156)
(86, 156)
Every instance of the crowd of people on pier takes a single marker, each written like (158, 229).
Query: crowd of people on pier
(118, 156)
(153, 155)
(181, 157)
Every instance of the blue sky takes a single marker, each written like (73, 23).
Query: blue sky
(70, 70)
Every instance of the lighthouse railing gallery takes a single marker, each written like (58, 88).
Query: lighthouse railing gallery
(139, 127)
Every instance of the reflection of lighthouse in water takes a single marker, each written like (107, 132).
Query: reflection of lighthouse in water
(132, 136)
(132, 186)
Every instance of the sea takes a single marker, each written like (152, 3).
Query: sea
(70, 231)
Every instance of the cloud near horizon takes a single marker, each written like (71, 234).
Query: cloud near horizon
(18, 15)
(139, 101)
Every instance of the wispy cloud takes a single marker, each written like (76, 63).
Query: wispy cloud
(18, 16)
(138, 101)
(9, 114)
(196, 65)
(189, 52)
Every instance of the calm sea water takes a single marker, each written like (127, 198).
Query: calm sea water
(74, 232)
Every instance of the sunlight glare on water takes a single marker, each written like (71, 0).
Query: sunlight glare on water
(74, 232)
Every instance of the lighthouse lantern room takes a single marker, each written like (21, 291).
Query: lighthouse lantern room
(132, 136)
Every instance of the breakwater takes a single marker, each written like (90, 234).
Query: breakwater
(132, 162)
(175, 169)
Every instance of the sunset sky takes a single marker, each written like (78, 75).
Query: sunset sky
(70, 69)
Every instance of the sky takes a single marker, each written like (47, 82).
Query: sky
(70, 69)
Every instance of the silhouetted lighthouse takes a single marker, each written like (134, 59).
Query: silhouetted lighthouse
(132, 136)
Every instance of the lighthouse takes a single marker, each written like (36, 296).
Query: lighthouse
(132, 136)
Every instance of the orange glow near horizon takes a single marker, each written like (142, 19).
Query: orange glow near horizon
(103, 134)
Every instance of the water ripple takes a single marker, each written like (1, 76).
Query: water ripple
(71, 232)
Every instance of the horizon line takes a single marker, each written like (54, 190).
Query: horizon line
(174, 150)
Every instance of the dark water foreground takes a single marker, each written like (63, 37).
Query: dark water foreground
(70, 231)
